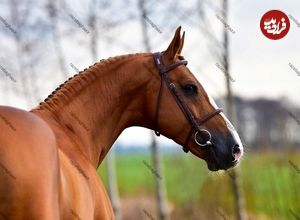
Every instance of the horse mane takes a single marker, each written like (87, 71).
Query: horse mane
(65, 91)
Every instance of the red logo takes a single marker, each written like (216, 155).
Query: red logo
(275, 24)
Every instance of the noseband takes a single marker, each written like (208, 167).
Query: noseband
(194, 122)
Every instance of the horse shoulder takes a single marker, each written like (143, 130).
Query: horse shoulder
(28, 166)
(83, 194)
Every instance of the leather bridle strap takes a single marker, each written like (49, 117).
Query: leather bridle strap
(163, 73)
(194, 122)
(200, 122)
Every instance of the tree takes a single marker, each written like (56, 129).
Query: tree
(230, 110)
(160, 189)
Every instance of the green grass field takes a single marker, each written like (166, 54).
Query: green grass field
(270, 182)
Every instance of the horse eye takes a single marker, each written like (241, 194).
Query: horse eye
(190, 89)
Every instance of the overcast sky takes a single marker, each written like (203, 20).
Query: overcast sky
(259, 66)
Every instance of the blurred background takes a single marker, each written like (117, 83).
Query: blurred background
(255, 79)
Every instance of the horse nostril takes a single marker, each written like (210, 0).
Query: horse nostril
(236, 149)
(236, 152)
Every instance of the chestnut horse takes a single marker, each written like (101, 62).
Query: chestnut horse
(49, 156)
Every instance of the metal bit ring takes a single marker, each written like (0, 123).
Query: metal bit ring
(207, 142)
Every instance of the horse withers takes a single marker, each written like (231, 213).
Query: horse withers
(49, 155)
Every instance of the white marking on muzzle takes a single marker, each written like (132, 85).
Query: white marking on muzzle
(229, 126)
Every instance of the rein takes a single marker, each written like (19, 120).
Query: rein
(193, 121)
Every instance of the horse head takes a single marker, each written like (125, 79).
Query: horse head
(182, 110)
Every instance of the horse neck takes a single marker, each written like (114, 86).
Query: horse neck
(96, 115)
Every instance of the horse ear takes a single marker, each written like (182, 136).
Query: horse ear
(181, 43)
(175, 46)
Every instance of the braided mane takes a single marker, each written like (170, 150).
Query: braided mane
(64, 92)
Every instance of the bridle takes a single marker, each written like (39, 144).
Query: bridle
(194, 122)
